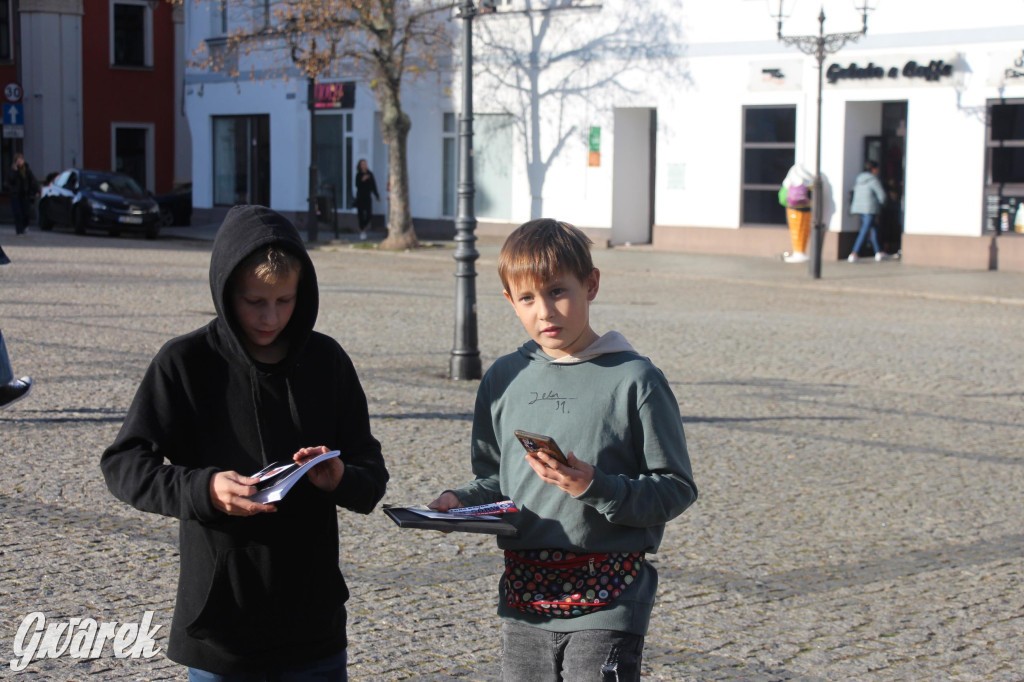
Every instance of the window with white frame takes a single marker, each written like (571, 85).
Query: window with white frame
(769, 150)
(131, 33)
(132, 151)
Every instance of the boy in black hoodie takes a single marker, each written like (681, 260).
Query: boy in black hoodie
(258, 592)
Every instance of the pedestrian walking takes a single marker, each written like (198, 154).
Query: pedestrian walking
(577, 593)
(11, 390)
(24, 188)
(366, 186)
(260, 595)
(868, 199)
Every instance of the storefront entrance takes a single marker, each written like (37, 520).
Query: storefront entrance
(877, 131)
(888, 150)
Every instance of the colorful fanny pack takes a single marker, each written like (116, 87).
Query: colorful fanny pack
(561, 584)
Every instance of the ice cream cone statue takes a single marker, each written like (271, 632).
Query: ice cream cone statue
(795, 195)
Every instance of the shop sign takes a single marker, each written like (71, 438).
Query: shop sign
(1017, 70)
(909, 72)
(775, 75)
(594, 158)
(334, 95)
(1005, 68)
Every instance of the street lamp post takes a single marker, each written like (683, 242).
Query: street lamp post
(311, 225)
(465, 356)
(820, 46)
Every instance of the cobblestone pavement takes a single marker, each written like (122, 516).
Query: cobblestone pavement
(857, 441)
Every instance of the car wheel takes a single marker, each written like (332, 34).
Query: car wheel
(78, 220)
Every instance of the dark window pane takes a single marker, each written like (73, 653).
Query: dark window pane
(330, 155)
(129, 35)
(766, 166)
(761, 206)
(1008, 122)
(770, 125)
(449, 180)
(130, 153)
(5, 31)
(1008, 165)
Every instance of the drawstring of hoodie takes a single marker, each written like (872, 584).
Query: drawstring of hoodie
(293, 409)
(254, 391)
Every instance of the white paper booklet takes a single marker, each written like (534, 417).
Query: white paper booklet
(278, 478)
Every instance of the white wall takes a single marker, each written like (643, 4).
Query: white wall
(51, 53)
(709, 76)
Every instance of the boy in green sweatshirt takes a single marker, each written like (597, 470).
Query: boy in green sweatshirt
(577, 592)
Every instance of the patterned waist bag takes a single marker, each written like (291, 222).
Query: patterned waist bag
(561, 584)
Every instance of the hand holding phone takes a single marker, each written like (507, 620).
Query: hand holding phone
(534, 442)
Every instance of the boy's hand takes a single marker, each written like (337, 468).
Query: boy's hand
(229, 491)
(447, 500)
(327, 474)
(573, 479)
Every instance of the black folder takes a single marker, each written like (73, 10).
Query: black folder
(406, 518)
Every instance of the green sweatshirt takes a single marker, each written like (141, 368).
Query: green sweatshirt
(613, 409)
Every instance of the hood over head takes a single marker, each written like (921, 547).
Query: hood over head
(245, 229)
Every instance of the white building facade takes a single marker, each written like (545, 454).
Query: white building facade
(655, 123)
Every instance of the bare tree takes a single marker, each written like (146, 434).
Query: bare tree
(381, 41)
(551, 56)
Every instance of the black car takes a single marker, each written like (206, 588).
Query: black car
(176, 206)
(87, 199)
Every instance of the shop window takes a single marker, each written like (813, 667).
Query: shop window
(335, 160)
(450, 166)
(769, 150)
(1004, 163)
(241, 160)
(133, 152)
(131, 34)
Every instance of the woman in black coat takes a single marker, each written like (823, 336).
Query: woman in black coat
(24, 187)
(365, 186)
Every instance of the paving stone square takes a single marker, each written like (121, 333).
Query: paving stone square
(857, 441)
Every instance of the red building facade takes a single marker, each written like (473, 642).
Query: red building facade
(101, 82)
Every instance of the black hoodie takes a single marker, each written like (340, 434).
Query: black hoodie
(263, 591)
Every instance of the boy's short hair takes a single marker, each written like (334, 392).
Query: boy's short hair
(270, 264)
(543, 249)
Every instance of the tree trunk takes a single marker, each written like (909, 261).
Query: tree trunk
(395, 125)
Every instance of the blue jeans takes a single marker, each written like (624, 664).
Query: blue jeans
(529, 654)
(867, 227)
(6, 373)
(331, 669)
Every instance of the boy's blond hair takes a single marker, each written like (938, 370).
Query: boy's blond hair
(543, 249)
(270, 264)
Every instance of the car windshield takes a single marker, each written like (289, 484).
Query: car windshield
(109, 183)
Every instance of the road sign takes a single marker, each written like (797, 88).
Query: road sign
(13, 92)
(14, 114)
(16, 132)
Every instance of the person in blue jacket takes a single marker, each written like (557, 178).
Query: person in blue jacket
(868, 198)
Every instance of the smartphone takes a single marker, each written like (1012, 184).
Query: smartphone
(534, 441)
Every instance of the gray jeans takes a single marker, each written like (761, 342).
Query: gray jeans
(6, 375)
(529, 654)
